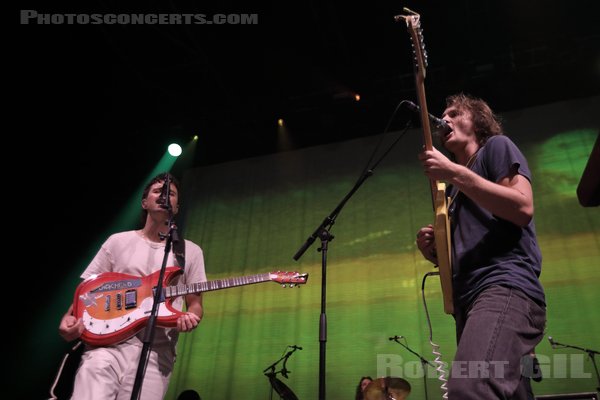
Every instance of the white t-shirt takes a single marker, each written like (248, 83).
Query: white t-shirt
(129, 253)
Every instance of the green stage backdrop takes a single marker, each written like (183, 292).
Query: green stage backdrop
(252, 216)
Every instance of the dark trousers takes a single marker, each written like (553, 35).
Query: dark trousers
(495, 337)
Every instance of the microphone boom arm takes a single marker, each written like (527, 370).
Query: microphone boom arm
(283, 371)
(423, 360)
(591, 354)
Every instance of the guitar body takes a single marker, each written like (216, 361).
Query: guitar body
(441, 226)
(115, 306)
(441, 232)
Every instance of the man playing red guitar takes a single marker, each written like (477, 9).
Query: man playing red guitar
(108, 372)
(499, 302)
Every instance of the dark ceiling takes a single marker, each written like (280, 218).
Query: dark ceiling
(303, 61)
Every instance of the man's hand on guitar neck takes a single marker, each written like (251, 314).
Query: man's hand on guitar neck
(437, 166)
(426, 243)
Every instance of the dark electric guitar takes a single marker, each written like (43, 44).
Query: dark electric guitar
(441, 226)
(116, 306)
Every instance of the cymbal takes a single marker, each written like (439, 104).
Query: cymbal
(387, 388)
(281, 389)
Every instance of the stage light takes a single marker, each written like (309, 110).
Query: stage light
(280, 122)
(357, 97)
(174, 149)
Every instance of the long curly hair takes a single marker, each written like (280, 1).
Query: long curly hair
(485, 123)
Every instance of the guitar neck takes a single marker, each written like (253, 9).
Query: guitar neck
(426, 130)
(414, 28)
(181, 290)
(424, 115)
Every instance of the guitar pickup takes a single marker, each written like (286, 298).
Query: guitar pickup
(130, 299)
(119, 299)
(107, 303)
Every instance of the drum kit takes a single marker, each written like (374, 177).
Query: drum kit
(387, 388)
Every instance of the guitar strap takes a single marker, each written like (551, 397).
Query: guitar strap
(469, 164)
(179, 253)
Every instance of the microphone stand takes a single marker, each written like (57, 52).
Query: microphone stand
(322, 232)
(272, 374)
(171, 237)
(591, 353)
(424, 362)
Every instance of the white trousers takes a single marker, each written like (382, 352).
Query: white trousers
(108, 373)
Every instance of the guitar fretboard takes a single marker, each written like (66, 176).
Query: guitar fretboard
(181, 290)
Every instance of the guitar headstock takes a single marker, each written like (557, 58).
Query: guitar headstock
(291, 278)
(413, 25)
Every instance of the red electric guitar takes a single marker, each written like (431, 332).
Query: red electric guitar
(116, 306)
(441, 226)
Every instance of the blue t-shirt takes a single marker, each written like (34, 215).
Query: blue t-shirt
(487, 250)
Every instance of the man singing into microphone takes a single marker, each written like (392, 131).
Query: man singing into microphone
(499, 302)
(109, 372)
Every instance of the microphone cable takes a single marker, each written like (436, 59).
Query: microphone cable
(60, 369)
(440, 366)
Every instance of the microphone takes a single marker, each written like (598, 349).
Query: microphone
(295, 347)
(396, 337)
(552, 342)
(441, 127)
(163, 199)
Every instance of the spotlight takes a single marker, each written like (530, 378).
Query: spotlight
(174, 149)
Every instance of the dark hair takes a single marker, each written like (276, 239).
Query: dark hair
(158, 178)
(359, 392)
(485, 123)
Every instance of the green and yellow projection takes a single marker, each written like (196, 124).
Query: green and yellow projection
(252, 216)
